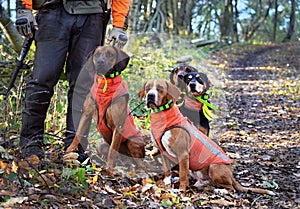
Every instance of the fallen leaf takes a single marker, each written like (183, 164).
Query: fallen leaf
(14, 200)
(222, 202)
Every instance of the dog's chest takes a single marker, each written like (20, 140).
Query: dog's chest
(164, 143)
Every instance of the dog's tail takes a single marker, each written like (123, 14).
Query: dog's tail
(241, 188)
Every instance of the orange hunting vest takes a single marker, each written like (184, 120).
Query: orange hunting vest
(105, 91)
(192, 104)
(203, 150)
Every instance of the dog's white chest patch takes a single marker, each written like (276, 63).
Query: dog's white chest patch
(166, 143)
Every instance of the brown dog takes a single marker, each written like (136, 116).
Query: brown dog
(107, 104)
(183, 143)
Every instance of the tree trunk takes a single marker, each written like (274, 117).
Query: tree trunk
(226, 21)
(257, 23)
(167, 9)
(235, 21)
(187, 21)
(134, 16)
(275, 21)
(10, 31)
(184, 16)
(175, 16)
(291, 29)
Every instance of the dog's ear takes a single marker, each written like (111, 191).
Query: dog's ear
(190, 69)
(141, 92)
(90, 54)
(173, 92)
(122, 60)
(173, 72)
(208, 83)
(89, 65)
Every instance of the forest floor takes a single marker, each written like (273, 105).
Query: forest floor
(260, 131)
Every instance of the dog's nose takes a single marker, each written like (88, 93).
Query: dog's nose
(100, 61)
(193, 86)
(150, 99)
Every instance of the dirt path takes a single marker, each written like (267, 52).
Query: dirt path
(262, 127)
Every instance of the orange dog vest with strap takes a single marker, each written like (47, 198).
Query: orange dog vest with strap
(105, 91)
(203, 150)
(192, 104)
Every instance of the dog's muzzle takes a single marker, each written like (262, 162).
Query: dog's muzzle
(193, 86)
(101, 66)
(150, 100)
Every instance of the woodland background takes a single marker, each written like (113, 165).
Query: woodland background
(250, 50)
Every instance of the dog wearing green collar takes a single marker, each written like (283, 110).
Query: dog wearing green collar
(193, 102)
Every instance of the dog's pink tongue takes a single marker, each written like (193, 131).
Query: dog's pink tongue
(195, 94)
(151, 105)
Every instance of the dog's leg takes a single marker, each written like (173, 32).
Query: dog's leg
(184, 170)
(116, 115)
(221, 176)
(202, 177)
(89, 109)
(114, 149)
(136, 149)
(181, 147)
(166, 169)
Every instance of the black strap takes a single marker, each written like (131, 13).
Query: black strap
(103, 5)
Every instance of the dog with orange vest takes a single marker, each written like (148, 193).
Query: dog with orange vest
(107, 104)
(180, 141)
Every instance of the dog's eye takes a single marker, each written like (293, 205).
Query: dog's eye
(160, 88)
(109, 54)
(147, 88)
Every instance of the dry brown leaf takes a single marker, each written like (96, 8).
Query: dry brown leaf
(222, 202)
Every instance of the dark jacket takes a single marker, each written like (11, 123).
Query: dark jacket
(119, 7)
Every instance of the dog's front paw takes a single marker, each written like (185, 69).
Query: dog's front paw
(167, 180)
(221, 191)
(170, 180)
(201, 183)
(71, 158)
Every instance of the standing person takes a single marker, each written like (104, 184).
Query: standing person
(64, 31)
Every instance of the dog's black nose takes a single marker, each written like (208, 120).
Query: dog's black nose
(193, 86)
(150, 99)
(100, 61)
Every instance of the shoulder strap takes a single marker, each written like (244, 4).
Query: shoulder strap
(103, 5)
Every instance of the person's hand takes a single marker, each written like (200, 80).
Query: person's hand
(25, 22)
(118, 36)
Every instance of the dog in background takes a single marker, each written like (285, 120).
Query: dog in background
(107, 104)
(192, 84)
(180, 141)
(178, 73)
